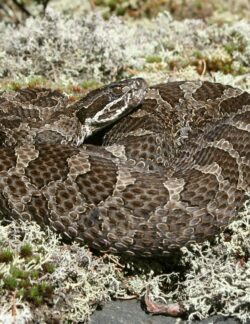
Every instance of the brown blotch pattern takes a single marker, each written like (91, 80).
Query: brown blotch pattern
(144, 147)
(145, 195)
(38, 208)
(49, 99)
(8, 158)
(27, 94)
(65, 198)
(232, 105)
(228, 164)
(50, 165)
(16, 186)
(244, 117)
(119, 132)
(172, 93)
(246, 173)
(199, 188)
(238, 138)
(97, 184)
(209, 91)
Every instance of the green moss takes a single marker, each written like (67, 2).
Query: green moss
(20, 281)
(10, 283)
(34, 295)
(34, 274)
(14, 85)
(112, 4)
(153, 59)
(19, 273)
(230, 48)
(38, 293)
(20, 293)
(6, 255)
(198, 54)
(24, 284)
(198, 4)
(48, 267)
(242, 70)
(45, 288)
(90, 84)
(120, 11)
(36, 81)
(26, 250)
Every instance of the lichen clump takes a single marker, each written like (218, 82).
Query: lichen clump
(22, 281)
(71, 51)
(43, 279)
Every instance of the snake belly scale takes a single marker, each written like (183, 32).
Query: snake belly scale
(173, 167)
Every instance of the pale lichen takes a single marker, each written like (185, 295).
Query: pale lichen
(71, 51)
(80, 281)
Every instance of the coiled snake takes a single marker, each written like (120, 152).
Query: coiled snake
(173, 167)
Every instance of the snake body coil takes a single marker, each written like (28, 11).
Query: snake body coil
(173, 169)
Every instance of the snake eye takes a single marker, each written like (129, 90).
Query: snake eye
(117, 91)
(125, 89)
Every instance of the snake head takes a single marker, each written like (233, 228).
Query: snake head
(106, 105)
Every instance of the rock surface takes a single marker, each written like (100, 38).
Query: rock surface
(129, 311)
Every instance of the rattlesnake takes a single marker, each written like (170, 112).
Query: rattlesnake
(173, 167)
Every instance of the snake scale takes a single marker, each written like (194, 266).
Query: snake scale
(173, 167)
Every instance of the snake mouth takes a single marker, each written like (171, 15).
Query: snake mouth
(104, 106)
